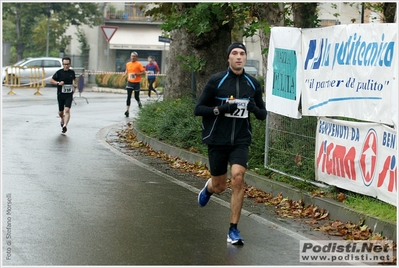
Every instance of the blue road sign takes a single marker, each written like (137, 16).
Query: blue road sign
(163, 39)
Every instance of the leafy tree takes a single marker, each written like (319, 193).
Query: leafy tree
(56, 38)
(201, 32)
(387, 10)
(29, 20)
(84, 46)
(264, 16)
(305, 15)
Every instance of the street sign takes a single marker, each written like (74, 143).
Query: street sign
(163, 39)
(109, 31)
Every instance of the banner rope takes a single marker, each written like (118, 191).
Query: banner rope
(89, 72)
(107, 72)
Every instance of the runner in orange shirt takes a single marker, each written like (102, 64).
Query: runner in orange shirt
(134, 70)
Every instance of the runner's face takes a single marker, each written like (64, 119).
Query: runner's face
(237, 59)
(133, 57)
(66, 64)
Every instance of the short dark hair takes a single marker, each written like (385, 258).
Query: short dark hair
(152, 57)
(66, 58)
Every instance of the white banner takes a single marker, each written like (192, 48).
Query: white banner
(360, 157)
(395, 95)
(284, 79)
(348, 70)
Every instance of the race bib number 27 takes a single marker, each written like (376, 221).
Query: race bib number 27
(241, 111)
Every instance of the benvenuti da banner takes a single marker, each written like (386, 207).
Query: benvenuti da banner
(360, 157)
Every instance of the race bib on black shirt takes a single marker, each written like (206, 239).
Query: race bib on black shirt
(241, 111)
(66, 89)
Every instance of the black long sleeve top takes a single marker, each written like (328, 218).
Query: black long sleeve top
(222, 129)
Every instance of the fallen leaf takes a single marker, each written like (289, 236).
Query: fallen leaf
(284, 207)
(341, 197)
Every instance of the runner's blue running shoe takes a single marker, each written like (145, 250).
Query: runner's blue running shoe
(234, 238)
(203, 197)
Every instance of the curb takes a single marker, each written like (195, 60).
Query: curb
(336, 209)
(108, 90)
(112, 90)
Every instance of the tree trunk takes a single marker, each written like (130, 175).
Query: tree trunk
(389, 10)
(304, 14)
(178, 79)
(273, 14)
(210, 47)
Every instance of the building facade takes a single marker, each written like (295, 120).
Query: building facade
(133, 31)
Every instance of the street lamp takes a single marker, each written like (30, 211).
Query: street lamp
(362, 19)
(48, 28)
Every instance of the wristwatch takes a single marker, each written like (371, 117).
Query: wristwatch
(216, 111)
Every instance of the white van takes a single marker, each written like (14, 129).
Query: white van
(50, 65)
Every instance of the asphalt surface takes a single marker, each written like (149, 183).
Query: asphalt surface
(337, 210)
(81, 198)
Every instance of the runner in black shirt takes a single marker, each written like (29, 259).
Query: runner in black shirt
(225, 105)
(65, 80)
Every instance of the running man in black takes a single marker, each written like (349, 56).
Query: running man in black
(65, 79)
(225, 105)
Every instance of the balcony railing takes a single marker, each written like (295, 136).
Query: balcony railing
(122, 11)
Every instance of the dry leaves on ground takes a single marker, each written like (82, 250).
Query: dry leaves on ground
(284, 207)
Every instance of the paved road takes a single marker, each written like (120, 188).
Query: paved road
(75, 200)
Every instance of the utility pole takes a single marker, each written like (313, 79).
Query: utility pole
(48, 28)
(362, 19)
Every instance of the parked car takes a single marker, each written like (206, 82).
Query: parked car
(50, 65)
(251, 70)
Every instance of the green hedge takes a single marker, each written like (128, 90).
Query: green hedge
(119, 81)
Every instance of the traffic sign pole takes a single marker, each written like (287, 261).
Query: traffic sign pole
(108, 32)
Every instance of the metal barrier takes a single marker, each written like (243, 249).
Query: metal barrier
(81, 83)
(33, 75)
(290, 147)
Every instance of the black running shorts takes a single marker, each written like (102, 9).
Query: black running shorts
(64, 100)
(133, 86)
(221, 155)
